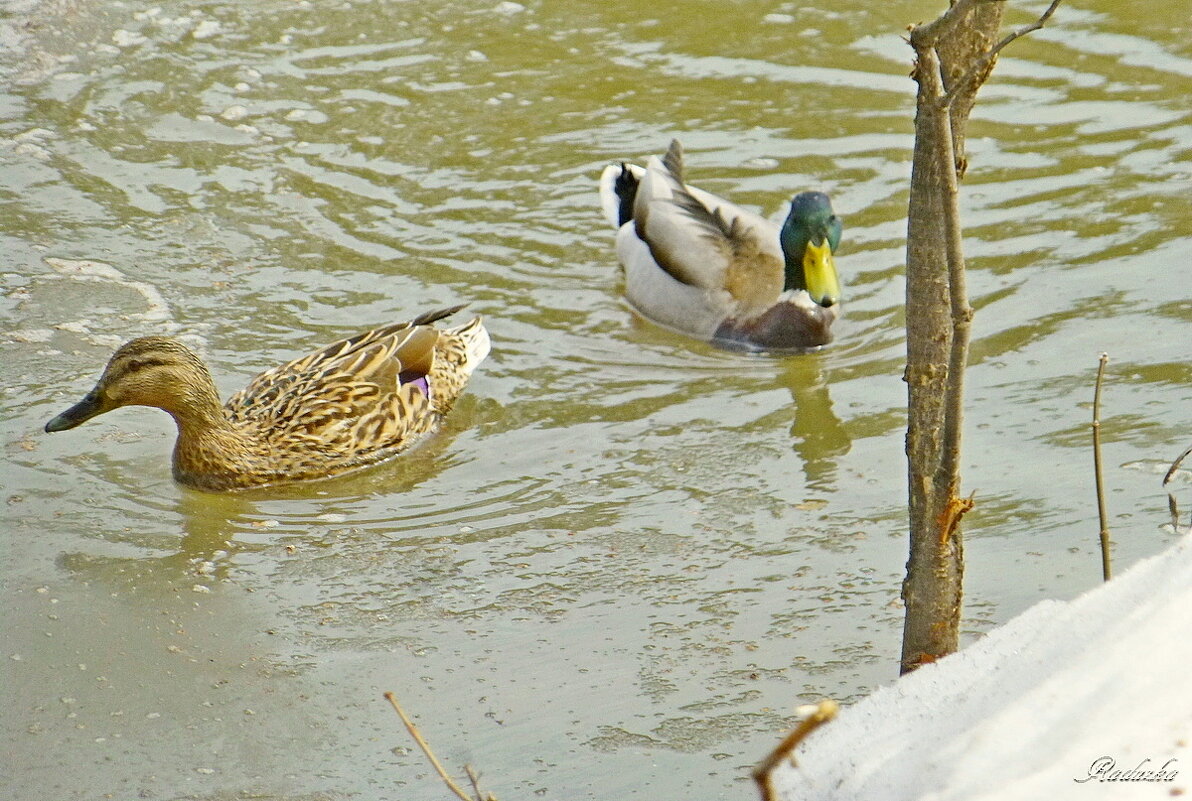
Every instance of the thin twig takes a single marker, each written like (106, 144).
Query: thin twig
(392, 699)
(962, 313)
(1105, 567)
(930, 75)
(826, 710)
(475, 780)
(982, 66)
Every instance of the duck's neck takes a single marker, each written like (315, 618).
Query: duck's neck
(794, 245)
(794, 277)
(210, 453)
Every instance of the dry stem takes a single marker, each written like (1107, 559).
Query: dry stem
(825, 711)
(1105, 566)
(451, 785)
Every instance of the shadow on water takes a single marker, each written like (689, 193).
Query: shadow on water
(818, 435)
(213, 530)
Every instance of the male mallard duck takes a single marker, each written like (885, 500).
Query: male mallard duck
(352, 404)
(698, 264)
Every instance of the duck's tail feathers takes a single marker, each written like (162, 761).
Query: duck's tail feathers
(618, 189)
(475, 340)
(426, 318)
(673, 161)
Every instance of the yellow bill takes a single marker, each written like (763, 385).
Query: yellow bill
(819, 270)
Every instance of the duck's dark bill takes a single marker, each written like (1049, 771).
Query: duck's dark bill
(81, 412)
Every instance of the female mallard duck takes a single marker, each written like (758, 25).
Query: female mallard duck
(352, 404)
(698, 264)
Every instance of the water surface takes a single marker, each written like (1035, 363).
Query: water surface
(628, 556)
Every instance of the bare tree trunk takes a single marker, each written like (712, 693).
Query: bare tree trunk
(933, 587)
(953, 57)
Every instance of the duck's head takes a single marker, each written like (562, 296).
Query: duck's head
(809, 237)
(150, 371)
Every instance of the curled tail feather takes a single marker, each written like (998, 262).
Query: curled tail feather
(618, 191)
(626, 188)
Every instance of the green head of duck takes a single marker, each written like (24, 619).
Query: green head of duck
(809, 239)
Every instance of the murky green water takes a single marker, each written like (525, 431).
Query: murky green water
(629, 555)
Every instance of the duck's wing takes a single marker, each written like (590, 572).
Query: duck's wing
(364, 388)
(704, 241)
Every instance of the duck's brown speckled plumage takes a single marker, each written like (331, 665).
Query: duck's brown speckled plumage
(351, 404)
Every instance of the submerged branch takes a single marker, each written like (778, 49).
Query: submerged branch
(1172, 506)
(1176, 466)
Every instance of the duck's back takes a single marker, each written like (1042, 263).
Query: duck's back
(357, 401)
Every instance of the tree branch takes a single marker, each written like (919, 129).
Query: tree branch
(962, 313)
(982, 67)
(927, 35)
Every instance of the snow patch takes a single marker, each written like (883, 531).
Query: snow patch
(1049, 705)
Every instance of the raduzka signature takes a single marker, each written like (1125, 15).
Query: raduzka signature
(1105, 769)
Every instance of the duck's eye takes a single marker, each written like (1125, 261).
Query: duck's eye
(142, 364)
